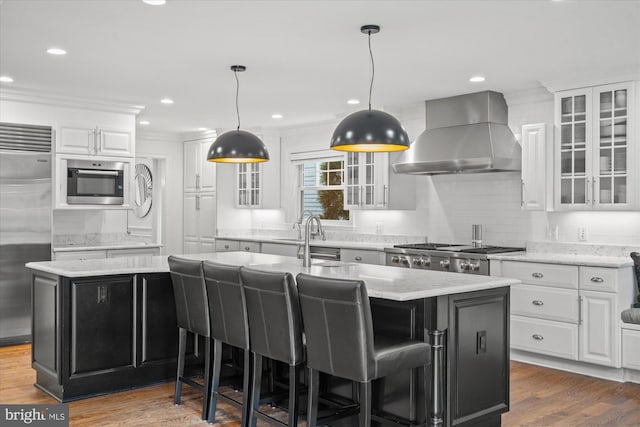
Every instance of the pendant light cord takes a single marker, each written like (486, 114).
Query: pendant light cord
(235, 73)
(373, 71)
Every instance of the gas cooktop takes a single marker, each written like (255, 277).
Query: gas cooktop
(459, 248)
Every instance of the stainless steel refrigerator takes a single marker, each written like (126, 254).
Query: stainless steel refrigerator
(25, 222)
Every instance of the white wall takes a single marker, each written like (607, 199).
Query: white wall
(169, 148)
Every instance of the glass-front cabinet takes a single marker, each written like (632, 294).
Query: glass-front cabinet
(366, 185)
(594, 153)
(249, 185)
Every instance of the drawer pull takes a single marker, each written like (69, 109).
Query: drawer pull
(537, 275)
(226, 246)
(537, 302)
(358, 258)
(246, 248)
(597, 279)
(537, 337)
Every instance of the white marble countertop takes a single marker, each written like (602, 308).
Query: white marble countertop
(342, 244)
(400, 284)
(106, 246)
(556, 258)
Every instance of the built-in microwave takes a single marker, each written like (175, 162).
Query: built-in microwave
(91, 182)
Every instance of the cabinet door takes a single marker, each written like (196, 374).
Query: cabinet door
(533, 141)
(206, 207)
(352, 188)
(191, 216)
(191, 246)
(573, 149)
(191, 164)
(75, 140)
(599, 334)
(115, 143)
(612, 139)
(207, 170)
(102, 324)
(207, 246)
(249, 182)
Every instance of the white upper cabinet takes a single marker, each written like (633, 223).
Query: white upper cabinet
(95, 141)
(199, 174)
(534, 160)
(258, 184)
(371, 183)
(596, 148)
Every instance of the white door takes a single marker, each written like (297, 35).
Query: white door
(76, 141)
(533, 141)
(599, 335)
(191, 165)
(191, 216)
(115, 143)
(207, 169)
(207, 215)
(191, 247)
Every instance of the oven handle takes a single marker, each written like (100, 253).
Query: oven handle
(94, 172)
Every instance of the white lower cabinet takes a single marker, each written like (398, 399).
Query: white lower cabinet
(108, 253)
(568, 311)
(199, 222)
(631, 347)
(80, 255)
(283, 249)
(362, 256)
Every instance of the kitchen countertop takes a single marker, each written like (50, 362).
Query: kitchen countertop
(106, 246)
(342, 244)
(555, 258)
(400, 284)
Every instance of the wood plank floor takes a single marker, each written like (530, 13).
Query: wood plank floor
(539, 397)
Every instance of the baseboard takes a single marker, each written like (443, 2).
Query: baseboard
(21, 339)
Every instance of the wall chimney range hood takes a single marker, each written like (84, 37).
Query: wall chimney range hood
(464, 134)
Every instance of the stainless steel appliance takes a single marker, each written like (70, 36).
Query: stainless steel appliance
(465, 133)
(96, 182)
(444, 257)
(25, 222)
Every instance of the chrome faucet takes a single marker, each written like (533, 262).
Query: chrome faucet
(298, 223)
(308, 233)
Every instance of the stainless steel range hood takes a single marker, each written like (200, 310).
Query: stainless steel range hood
(465, 133)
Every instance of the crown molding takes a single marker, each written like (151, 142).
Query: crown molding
(58, 100)
(528, 96)
(159, 135)
(588, 81)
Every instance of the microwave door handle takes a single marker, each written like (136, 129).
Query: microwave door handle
(99, 172)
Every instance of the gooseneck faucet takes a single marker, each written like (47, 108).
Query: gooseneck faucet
(308, 233)
(298, 223)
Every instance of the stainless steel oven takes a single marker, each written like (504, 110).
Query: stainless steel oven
(92, 182)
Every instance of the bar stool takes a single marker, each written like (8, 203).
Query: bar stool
(192, 313)
(228, 312)
(275, 332)
(635, 256)
(339, 336)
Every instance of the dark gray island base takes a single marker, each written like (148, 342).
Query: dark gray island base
(98, 334)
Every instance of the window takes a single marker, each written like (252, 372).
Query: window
(322, 188)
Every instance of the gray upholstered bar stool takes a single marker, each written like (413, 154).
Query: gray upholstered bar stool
(192, 313)
(228, 313)
(340, 341)
(632, 315)
(275, 332)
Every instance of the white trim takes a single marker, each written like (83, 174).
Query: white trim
(577, 367)
(302, 156)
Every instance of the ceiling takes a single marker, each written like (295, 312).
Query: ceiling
(306, 58)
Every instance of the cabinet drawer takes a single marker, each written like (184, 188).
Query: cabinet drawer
(361, 256)
(599, 279)
(545, 303)
(631, 349)
(227, 245)
(249, 246)
(80, 255)
(279, 249)
(545, 337)
(124, 253)
(535, 273)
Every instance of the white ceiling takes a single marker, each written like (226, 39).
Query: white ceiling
(306, 58)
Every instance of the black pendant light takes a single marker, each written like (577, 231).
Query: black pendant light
(238, 146)
(370, 130)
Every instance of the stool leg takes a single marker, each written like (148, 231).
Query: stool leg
(207, 377)
(182, 349)
(365, 404)
(312, 404)
(294, 391)
(255, 388)
(215, 380)
(246, 384)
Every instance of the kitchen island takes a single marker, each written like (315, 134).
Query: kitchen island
(109, 324)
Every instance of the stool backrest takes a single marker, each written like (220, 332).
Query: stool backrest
(227, 305)
(273, 309)
(635, 256)
(336, 316)
(190, 293)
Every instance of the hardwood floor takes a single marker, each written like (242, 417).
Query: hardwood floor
(539, 397)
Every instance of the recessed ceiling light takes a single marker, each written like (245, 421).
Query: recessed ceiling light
(476, 79)
(203, 129)
(353, 102)
(6, 79)
(276, 116)
(56, 51)
(155, 2)
(144, 122)
(166, 101)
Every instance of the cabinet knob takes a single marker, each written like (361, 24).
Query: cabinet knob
(247, 248)
(226, 246)
(597, 279)
(537, 302)
(537, 275)
(395, 259)
(537, 337)
(358, 258)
